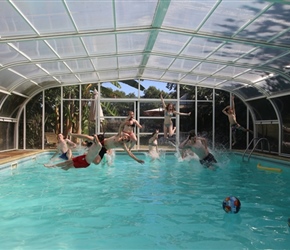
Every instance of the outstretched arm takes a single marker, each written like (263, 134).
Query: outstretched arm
(163, 103)
(138, 124)
(178, 113)
(132, 155)
(82, 136)
(233, 104)
(184, 145)
(225, 110)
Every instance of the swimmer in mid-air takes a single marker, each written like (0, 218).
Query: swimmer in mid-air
(231, 114)
(153, 146)
(64, 148)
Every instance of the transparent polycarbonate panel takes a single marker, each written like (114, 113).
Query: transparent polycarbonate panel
(277, 15)
(110, 75)
(105, 63)
(192, 79)
(128, 74)
(11, 105)
(231, 51)
(88, 77)
(90, 15)
(67, 47)
(231, 71)
(55, 67)
(275, 85)
(172, 76)
(261, 55)
(180, 14)
(230, 85)
(249, 92)
(283, 38)
(7, 78)
(170, 42)
(210, 82)
(27, 88)
(207, 68)
(88, 91)
(200, 47)
(80, 65)
(43, 81)
(280, 62)
(135, 13)
(263, 109)
(132, 41)
(152, 74)
(46, 17)
(71, 112)
(9, 55)
(151, 109)
(2, 96)
(29, 70)
(101, 44)
(159, 62)
(252, 76)
(11, 22)
(129, 61)
(229, 16)
(35, 49)
(183, 65)
(68, 79)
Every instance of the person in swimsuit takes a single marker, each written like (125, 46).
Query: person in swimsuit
(231, 114)
(82, 161)
(153, 146)
(128, 126)
(116, 141)
(63, 148)
(198, 145)
(169, 111)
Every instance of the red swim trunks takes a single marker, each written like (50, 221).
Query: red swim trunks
(80, 161)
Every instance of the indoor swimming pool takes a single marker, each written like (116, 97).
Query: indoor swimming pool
(166, 204)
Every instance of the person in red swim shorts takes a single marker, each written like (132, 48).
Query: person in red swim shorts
(82, 161)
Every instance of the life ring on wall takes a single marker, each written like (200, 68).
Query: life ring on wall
(259, 166)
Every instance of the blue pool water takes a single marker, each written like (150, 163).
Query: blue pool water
(160, 205)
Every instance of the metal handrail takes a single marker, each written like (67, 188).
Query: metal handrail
(254, 139)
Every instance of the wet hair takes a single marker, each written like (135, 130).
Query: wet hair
(191, 133)
(167, 106)
(101, 137)
(88, 144)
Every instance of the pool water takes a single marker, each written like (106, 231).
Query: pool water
(167, 204)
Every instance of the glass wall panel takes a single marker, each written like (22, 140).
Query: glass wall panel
(52, 110)
(71, 117)
(263, 109)
(283, 104)
(71, 92)
(153, 89)
(7, 135)
(11, 105)
(271, 132)
(21, 132)
(34, 122)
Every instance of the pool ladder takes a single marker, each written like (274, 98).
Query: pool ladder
(254, 147)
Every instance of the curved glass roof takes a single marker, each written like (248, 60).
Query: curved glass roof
(239, 46)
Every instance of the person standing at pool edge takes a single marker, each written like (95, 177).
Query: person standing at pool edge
(230, 112)
(169, 111)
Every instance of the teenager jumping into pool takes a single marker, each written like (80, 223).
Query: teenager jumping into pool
(82, 161)
(128, 126)
(63, 148)
(198, 145)
(230, 112)
(116, 141)
(169, 111)
(153, 146)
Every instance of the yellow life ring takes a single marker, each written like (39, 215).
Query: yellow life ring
(259, 166)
